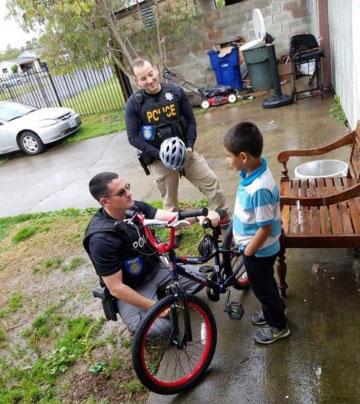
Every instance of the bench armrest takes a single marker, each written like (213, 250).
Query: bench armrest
(284, 156)
(332, 199)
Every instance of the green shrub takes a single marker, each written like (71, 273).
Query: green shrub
(2, 337)
(13, 305)
(336, 111)
(48, 264)
(75, 263)
(25, 233)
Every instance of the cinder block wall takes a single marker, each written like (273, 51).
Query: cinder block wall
(283, 18)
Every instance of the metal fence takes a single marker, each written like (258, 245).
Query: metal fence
(88, 89)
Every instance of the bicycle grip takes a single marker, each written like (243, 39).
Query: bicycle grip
(193, 213)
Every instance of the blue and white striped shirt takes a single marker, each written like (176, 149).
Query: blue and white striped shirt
(257, 204)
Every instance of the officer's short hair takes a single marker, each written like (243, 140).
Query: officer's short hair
(98, 185)
(139, 62)
(244, 137)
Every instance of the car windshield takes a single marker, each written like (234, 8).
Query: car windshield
(13, 110)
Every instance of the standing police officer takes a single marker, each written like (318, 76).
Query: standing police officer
(157, 112)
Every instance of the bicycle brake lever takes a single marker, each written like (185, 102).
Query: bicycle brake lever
(179, 223)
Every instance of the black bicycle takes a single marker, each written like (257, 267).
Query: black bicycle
(175, 343)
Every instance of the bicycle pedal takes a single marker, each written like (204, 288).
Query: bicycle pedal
(206, 269)
(234, 310)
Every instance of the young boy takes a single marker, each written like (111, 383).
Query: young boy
(256, 227)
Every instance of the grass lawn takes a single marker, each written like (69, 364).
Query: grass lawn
(54, 343)
(106, 96)
(98, 125)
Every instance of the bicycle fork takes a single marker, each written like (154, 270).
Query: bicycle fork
(180, 303)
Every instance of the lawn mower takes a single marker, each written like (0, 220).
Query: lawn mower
(217, 95)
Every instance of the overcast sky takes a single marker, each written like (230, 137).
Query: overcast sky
(10, 31)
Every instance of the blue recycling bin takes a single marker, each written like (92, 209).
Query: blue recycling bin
(227, 68)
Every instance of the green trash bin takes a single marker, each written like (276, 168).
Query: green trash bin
(257, 62)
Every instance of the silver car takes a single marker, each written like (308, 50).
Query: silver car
(27, 128)
(12, 81)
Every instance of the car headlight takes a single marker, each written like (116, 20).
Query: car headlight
(48, 122)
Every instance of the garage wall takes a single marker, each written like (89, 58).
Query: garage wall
(344, 46)
(283, 18)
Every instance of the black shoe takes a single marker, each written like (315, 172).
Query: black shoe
(178, 238)
(258, 318)
(268, 335)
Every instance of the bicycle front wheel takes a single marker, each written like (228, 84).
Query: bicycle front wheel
(233, 263)
(164, 360)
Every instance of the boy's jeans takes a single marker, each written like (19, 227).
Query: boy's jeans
(260, 271)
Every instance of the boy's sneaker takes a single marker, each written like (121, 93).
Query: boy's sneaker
(268, 335)
(258, 318)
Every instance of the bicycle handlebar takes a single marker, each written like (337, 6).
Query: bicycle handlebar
(184, 214)
(163, 247)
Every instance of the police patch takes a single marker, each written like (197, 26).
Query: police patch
(169, 96)
(147, 132)
(134, 266)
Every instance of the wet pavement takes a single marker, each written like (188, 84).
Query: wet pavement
(59, 177)
(320, 361)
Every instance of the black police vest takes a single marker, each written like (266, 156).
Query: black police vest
(160, 115)
(100, 223)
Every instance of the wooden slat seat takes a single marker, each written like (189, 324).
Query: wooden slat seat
(302, 224)
(321, 212)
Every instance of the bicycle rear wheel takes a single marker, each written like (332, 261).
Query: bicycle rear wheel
(232, 262)
(163, 360)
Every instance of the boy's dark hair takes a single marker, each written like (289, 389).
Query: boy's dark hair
(98, 185)
(244, 137)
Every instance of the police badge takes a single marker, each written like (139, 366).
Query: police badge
(147, 132)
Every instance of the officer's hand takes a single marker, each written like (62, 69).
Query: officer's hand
(212, 216)
(189, 151)
(165, 313)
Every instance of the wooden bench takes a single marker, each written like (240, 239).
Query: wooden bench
(322, 212)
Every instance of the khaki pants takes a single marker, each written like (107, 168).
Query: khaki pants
(197, 172)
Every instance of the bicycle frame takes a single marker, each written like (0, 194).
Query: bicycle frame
(177, 262)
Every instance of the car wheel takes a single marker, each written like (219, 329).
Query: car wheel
(232, 98)
(205, 104)
(31, 144)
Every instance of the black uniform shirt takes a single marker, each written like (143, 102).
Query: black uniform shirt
(111, 253)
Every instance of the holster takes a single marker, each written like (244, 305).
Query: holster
(108, 302)
(144, 161)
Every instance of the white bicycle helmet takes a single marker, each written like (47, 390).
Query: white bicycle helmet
(173, 153)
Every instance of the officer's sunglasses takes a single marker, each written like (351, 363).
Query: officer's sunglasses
(122, 191)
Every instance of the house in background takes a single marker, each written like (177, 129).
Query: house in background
(7, 66)
(28, 61)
